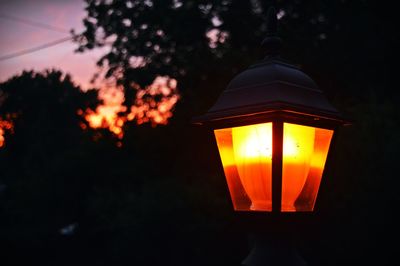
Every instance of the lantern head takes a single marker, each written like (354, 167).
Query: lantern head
(273, 129)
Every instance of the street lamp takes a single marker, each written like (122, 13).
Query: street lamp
(273, 129)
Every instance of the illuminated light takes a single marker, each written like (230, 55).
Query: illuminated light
(298, 143)
(302, 172)
(266, 124)
(246, 155)
(252, 142)
(252, 149)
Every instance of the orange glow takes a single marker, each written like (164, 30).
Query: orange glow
(147, 109)
(106, 115)
(252, 149)
(296, 163)
(144, 110)
(246, 155)
(302, 169)
(5, 125)
(1, 137)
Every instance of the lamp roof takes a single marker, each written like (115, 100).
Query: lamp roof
(271, 87)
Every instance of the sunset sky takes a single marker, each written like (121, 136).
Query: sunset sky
(28, 24)
(17, 36)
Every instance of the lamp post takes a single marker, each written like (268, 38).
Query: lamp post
(273, 129)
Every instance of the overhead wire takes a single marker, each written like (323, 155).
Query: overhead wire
(34, 23)
(35, 49)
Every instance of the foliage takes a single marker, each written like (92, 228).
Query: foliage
(41, 159)
(161, 199)
(150, 38)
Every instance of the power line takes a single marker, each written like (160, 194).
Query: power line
(33, 23)
(34, 49)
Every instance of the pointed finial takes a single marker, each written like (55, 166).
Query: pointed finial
(272, 43)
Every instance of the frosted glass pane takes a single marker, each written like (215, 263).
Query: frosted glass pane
(304, 154)
(246, 155)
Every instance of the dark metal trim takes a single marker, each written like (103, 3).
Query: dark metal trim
(262, 112)
(290, 116)
(277, 150)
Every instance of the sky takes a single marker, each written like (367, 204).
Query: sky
(17, 36)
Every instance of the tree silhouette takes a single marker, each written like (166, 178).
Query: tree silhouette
(45, 105)
(42, 170)
(202, 44)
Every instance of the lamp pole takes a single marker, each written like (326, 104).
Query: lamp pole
(273, 238)
(273, 250)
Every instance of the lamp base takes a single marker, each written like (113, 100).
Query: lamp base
(270, 250)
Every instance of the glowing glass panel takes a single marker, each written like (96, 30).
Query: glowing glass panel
(304, 154)
(246, 155)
